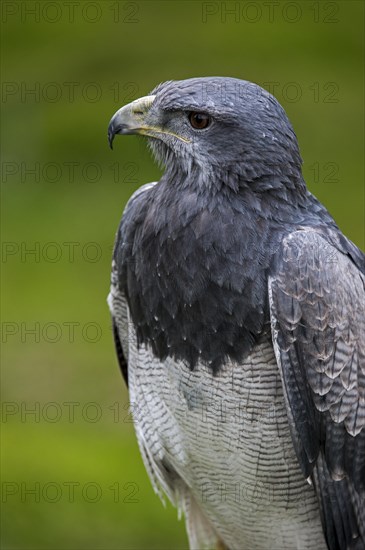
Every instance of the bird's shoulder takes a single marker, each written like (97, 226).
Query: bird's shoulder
(138, 199)
(133, 215)
(321, 243)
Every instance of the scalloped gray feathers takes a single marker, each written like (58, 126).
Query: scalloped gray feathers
(317, 300)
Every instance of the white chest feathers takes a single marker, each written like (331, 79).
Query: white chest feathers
(224, 440)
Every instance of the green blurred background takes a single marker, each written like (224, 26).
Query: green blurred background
(72, 476)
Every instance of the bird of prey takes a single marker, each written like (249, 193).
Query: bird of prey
(238, 314)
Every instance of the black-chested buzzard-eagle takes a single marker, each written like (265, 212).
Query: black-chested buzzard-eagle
(238, 315)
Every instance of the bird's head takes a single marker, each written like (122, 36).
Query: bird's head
(218, 128)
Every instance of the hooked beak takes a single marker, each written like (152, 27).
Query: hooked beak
(130, 119)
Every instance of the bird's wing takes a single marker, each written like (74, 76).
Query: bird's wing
(116, 299)
(317, 300)
(119, 311)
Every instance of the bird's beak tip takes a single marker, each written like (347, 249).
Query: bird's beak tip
(110, 139)
(125, 121)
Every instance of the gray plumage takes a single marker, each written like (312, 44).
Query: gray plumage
(238, 314)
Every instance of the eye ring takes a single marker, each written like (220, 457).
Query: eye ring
(199, 121)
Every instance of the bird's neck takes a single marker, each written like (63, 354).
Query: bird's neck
(281, 197)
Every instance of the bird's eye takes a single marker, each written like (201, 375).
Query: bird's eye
(199, 121)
